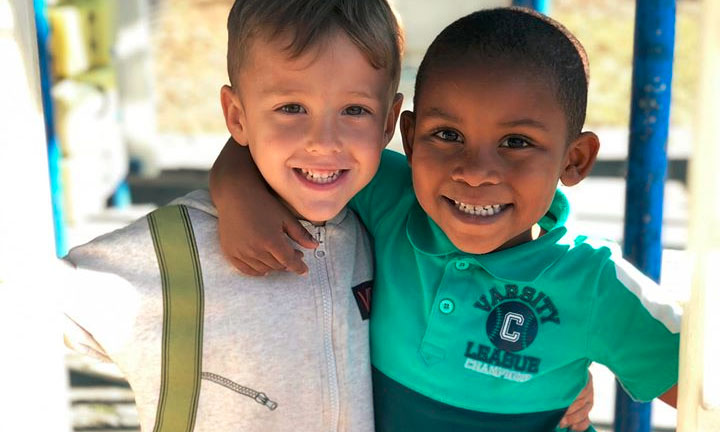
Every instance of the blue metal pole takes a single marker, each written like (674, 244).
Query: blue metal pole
(54, 152)
(122, 197)
(542, 6)
(647, 165)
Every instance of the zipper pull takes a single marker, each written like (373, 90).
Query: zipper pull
(262, 399)
(320, 237)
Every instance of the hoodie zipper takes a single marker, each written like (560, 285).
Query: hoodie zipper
(326, 292)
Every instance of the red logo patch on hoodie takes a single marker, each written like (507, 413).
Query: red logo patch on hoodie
(363, 297)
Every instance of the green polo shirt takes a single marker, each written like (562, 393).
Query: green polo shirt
(501, 341)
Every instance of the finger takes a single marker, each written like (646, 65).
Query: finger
(299, 234)
(297, 265)
(244, 268)
(581, 427)
(258, 266)
(577, 420)
(270, 261)
(228, 252)
(584, 399)
(290, 258)
(579, 413)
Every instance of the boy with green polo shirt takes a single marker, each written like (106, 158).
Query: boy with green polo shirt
(487, 310)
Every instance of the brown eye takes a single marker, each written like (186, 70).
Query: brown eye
(448, 135)
(515, 143)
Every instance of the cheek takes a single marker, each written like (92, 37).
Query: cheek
(278, 144)
(363, 141)
(369, 159)
(286, 133)
(362, 130)
(539, 172)
(428, 166)
(270, 128)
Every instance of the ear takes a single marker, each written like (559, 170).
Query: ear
(392, 117)
(581, 155)
(234, 114)
(407, 131)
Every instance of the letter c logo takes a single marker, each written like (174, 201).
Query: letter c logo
(511, 326)
(511, 318)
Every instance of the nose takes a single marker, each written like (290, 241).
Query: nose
(478, 168)
(324, 137)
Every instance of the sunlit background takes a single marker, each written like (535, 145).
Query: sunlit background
(136, 85)
(166, 97)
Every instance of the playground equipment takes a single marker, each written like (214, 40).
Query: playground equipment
(700, 383)
(542, 6)
(699, 398)
(647, 165)
(95, 72)
(31, 366)
(652, 77)
(85, 104)
(133, 62)
(54, 155)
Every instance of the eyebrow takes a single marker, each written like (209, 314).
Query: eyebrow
(438, 113)
(362, 94)
(529, 122)
(273, 91)
(525, 122)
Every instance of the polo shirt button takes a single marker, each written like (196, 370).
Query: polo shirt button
(462, 265)
(446, 306)
(319, 253)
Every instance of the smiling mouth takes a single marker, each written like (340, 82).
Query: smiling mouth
(479, 210)
(320, 176)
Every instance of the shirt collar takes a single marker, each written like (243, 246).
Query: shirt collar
(524, 262)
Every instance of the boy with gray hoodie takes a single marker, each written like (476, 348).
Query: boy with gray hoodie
(313, 96)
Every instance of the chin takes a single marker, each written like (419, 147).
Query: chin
(475, 247)
(320, 213)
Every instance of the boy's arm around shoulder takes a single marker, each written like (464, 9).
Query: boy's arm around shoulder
(255, 228)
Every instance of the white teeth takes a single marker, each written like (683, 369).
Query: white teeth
(488, 210)
(321, 177)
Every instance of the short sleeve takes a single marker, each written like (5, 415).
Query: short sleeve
(391, 183)
(635, 330)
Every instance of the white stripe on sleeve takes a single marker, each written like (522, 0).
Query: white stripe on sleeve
(657, 300)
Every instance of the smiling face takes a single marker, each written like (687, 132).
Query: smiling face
(487, 145)
(315, 124)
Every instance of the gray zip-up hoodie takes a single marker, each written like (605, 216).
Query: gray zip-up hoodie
(300, 340)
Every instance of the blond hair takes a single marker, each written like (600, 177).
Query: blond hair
(370, 24)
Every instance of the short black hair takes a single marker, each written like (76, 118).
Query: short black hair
(529, 39)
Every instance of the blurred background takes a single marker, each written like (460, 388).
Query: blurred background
(141, 110)
(135, 88)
